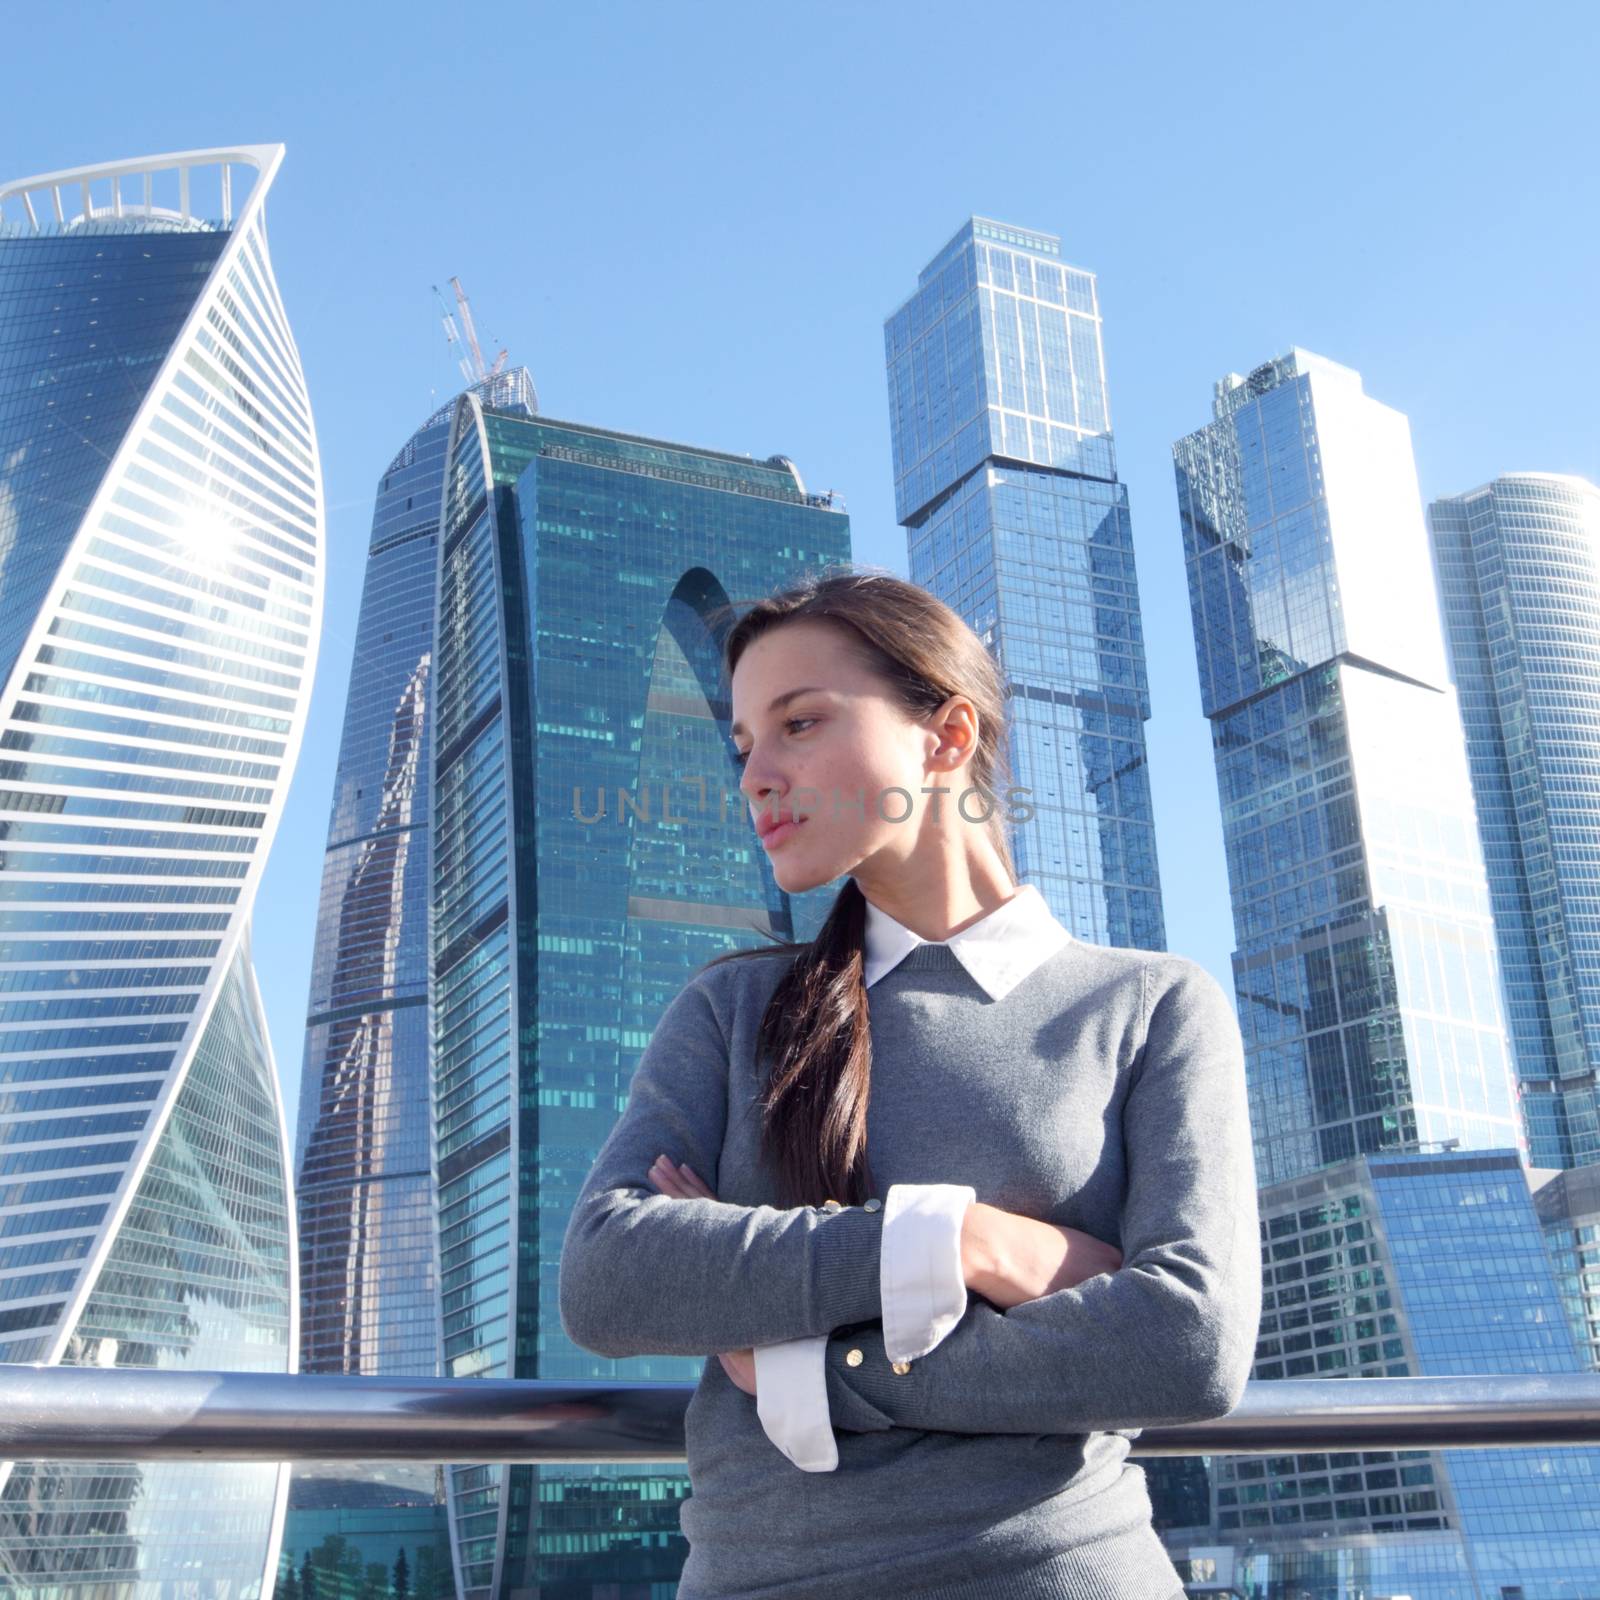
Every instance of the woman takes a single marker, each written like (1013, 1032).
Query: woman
(936, 1326)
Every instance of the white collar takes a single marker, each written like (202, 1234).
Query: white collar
(998, 951)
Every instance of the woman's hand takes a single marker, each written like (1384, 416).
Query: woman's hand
(740, 1365)
(1009, 1258)
(684, 1183)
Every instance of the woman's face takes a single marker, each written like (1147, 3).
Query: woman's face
(833, 755)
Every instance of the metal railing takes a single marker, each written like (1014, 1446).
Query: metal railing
(135, 1414)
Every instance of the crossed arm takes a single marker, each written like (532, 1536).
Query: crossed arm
(644, 1273)
(1166, 1338)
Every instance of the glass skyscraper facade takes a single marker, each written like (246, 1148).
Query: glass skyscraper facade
(1568, 1204)
(364, 1151)
(364, 1182)
(1518, 563)
(1006, 483)
(1365, 964)
(1369, 1000)
(591, 850)
(161, 531)
(1397, 1266)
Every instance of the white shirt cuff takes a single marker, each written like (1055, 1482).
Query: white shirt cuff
(792, 1401)
(919, 1265)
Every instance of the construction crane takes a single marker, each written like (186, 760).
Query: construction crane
(471, 362)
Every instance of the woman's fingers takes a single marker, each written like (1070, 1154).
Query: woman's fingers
(681, 1182)
(696, 1182)
(664, 1175)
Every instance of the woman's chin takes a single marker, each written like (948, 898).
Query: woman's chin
(795, 874)
(794, 877)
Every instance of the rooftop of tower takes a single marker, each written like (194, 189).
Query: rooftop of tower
(774, 477)
(1007, 235)
(1237, 389)
(1014, 238)
(1566, 480)
(190, 189)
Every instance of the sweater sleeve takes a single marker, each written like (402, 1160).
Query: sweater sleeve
(1168, 1337)
(643, 1273)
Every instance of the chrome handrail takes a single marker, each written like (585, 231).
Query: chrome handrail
(139, 1414)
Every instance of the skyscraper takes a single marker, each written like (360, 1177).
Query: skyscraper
(591, 850)
(161, 529)
(368, 1292)
(364, 1151)
(1369, 999)
(1365, 961)
(1006, 482)
(1518, 563)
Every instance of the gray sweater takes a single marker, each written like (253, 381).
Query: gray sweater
(1105, 1092)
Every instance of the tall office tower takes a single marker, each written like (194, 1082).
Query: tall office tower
(1369, 1000)
(161, 530)
(1365, 961)
(1518, 563)
(364, 1158)
(591, 850)
(1006, 482)
(364, 1151)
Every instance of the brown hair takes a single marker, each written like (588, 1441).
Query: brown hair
(814, 1030)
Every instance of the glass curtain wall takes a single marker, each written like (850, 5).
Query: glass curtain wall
(364, 1152)
(1365, 965)
(1518, 562)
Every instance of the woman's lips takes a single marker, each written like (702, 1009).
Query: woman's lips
(782, 832)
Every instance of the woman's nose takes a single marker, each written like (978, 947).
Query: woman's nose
(762, 794)
(756, 781)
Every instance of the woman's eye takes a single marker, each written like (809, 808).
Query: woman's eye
(742, 756)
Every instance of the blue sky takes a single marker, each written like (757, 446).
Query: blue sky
(691, 219)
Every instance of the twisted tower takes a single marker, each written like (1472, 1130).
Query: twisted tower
(161, 531)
